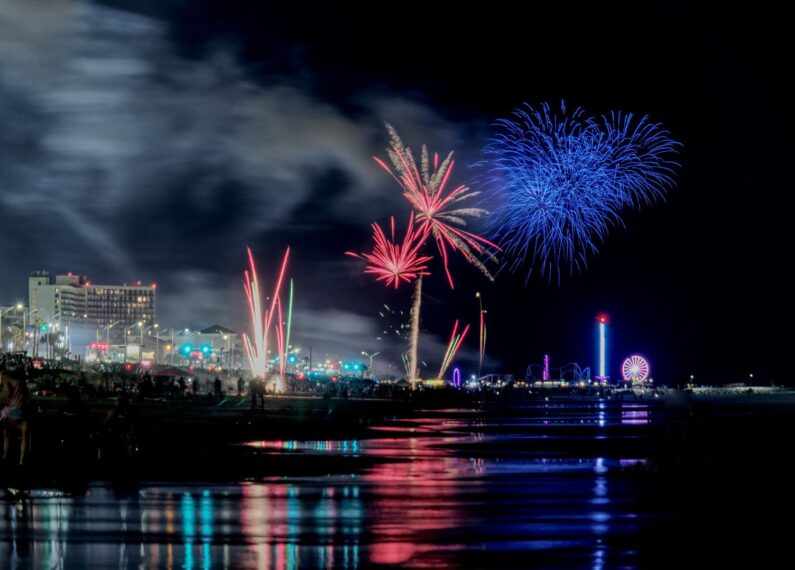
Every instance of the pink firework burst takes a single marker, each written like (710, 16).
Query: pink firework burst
(393, 262)
(438, 208)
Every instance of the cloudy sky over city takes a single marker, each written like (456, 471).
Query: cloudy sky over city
(140, 141)
(125, 160)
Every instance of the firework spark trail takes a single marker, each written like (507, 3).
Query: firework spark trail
(482, 339)
(439, 215)
(256, 345)
(394, 263)
(394, 323)
(277, 290)
(456, 340)
(482, 343)
(414, 333)
(405, 359)
(438, 209)
(280, 338)
(289, 318)
(448, 350)
(256, 348)
(563, 180)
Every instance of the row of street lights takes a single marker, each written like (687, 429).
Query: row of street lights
(141, 326)
(142, 329)
(19, 307)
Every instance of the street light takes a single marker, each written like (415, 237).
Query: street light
(25, 318)
(370, 356)
(107, 337)
(51, 338)
(157, 340)
(69, 330)
(16, 307)
(140, 325)
(228, 352)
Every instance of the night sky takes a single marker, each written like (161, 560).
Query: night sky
(155, 140)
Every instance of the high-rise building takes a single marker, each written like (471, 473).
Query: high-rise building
(71, 300)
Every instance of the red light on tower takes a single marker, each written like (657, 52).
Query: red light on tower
(603, 319)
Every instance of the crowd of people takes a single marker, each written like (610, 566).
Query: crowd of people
(115, 436)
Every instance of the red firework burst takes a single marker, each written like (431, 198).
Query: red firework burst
(393, 262)
(437, 207)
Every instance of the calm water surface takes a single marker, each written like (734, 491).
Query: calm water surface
(457, 488)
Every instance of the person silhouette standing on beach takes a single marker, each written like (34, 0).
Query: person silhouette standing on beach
(14, 414)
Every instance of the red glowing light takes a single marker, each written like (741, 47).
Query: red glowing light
(603, 318)
(393, 262)
(154, 285)
(391, 553)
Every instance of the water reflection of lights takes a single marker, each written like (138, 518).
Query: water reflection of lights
(203, 533)
(634, 414)
(276, 517)
(600, 517)
(437, 488)
(344, 447)
(394, 513)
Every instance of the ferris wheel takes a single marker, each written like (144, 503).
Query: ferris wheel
(635, 369)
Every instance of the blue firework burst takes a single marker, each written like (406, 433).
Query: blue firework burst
(561, 181)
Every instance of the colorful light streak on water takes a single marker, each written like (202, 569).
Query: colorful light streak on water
(444, 491)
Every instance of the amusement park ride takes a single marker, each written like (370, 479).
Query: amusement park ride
(635, 369)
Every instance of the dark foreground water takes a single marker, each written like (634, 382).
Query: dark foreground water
(564, 486)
